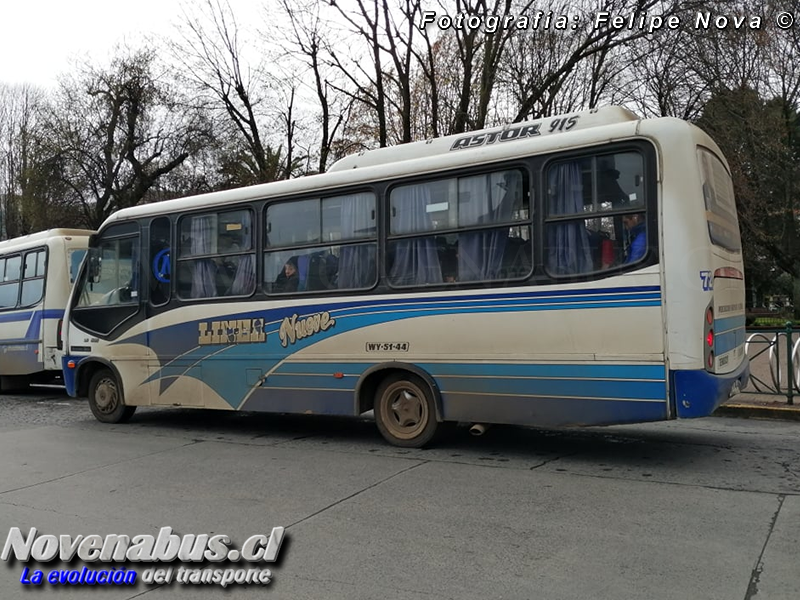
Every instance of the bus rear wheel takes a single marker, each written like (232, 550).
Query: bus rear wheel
(405, 412)
(105, 399)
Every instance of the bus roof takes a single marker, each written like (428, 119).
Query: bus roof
(607, 115)
(36, 239)
(552, 134)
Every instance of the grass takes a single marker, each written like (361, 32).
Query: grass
(772, 322)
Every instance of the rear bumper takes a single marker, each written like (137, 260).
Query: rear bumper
(699, 393)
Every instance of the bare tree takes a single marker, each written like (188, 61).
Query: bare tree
(368, 86)
(118, 130)
(212, 59)
(544, 59)
(307, 42)
(662, 78)
(32, 194)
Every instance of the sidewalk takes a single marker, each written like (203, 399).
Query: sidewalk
(760, 406)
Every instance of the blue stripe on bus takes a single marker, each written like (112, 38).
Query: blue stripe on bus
(348, 368)
(279, 380)
(549, 412)
(556, 388)
(633, 382)
(486, 297)
(586, 298)
(53, 313)
(728, 323)
(509, 301)
(565, 388)
(586, 371)
(543, 412)
(34, 318)
(644, 382)
(729, 340)
(560, 370)
(369, 317)
(495, 306)
(315, 402)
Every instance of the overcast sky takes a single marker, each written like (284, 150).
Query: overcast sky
(39, 37)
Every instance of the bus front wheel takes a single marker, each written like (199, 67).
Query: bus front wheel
(105, 399)
(405, 412)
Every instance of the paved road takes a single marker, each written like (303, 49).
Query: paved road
(698, 509)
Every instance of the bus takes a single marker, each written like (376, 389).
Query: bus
(37, 272)
(581, 269)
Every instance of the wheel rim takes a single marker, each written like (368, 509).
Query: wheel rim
(105, 395)
(405, 411)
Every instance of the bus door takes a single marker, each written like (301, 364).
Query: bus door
(107, 308)
(174, 377)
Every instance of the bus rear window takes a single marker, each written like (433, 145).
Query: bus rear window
(723, 224)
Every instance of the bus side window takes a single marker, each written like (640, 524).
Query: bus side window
(9, 288)
(322, 270)
(591, 203)
(217, 255)
(338, 239)
(33, 278)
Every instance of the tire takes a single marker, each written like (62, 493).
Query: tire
(405, 411)
(105, 399)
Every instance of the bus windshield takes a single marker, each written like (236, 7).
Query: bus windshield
(109, 276)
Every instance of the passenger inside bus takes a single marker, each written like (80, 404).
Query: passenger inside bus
(637, 236)
(289, 279)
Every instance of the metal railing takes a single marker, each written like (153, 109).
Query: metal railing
(774, 361)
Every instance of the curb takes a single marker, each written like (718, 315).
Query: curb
(750, 411)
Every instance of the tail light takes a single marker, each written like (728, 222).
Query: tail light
(708, 336)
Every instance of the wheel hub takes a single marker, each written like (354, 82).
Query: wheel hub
(407, 409)
(106, 396)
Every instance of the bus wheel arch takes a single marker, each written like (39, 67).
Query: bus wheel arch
(406, 403)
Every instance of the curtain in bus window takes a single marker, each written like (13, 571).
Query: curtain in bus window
(204, 271)
(357, 262)
(415, 261)
(244, 281)
(568, 249)
(482, 200)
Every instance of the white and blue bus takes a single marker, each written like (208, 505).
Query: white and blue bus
(583, 269)
(36, 276)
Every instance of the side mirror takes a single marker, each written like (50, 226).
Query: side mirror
(95, 268)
